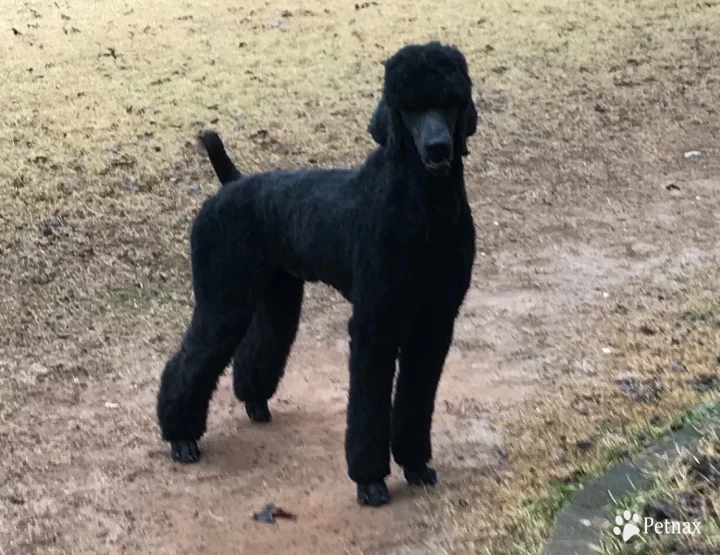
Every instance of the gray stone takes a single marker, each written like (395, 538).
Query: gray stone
(584, 519)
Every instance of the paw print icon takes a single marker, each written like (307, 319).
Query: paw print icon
(627, 526)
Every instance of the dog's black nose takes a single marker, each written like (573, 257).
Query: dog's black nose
(438, 150)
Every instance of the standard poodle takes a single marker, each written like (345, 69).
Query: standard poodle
(395, 237)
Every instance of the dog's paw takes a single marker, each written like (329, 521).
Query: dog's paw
(423, 477)
(185, 452)
(373, 494)
(258, 411)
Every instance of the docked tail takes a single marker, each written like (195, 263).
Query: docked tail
(221, 163)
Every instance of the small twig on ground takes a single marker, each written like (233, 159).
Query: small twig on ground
(218, 518)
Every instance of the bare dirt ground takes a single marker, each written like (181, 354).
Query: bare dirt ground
(579, 186)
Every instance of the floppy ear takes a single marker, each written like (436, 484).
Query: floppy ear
(471, 118)
(382, 127)
(380, 123)
(467, 126)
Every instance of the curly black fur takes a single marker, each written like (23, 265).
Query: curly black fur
(396, 241)
(420, 77)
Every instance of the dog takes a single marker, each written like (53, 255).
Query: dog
(395, 237)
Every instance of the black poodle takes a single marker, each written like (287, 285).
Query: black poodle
(395, 237)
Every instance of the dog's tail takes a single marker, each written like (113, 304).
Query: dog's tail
(221, 163)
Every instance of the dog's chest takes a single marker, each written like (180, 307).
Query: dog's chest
(444, 254)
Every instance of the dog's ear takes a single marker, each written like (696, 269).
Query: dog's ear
(383, 127)
(467, 126)
(380, 123)
(471, 119)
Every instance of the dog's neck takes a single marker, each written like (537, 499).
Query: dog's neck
(440, 196)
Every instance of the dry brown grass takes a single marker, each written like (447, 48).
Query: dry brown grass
(79, 122)
(579, 101)
(689, 495)
(667, 332)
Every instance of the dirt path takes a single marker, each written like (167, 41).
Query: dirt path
(586, 113)
(106, 484)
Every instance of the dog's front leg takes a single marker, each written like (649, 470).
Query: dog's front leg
(422, 358)
(373, 352)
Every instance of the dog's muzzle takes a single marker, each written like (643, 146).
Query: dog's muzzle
(440, 168)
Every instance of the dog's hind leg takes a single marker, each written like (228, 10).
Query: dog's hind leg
(421, 363)
(259, 361)
(190, 378)
(228, 278)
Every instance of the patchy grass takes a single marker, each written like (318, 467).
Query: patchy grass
(580, 102)
(536, 516)
(99, 124)
(688, 491)
(572, 435)
(539, 515)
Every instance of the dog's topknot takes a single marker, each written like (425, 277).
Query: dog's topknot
(422, 76)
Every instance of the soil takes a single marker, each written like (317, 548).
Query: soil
(568, 181)
(95, 478)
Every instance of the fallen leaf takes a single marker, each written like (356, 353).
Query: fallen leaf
(270, 512)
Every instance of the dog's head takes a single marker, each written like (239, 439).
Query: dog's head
(427, 97)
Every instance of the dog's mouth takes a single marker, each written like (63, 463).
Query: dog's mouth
(441, 167)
